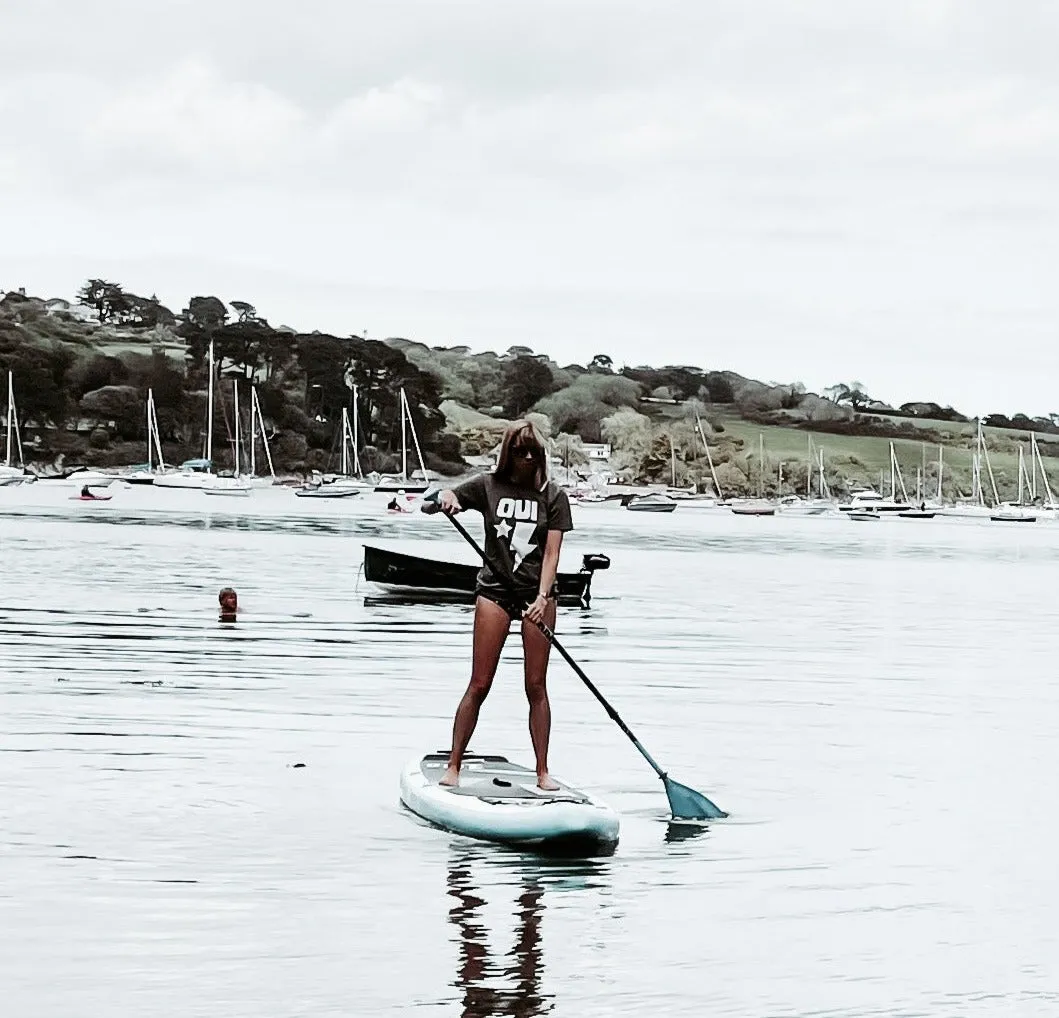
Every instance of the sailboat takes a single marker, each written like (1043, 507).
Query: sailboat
(257, 419)
(146, 475)
(795, 505)
(389, 483)
(236, 485)
(10, 473)
(197, 472)
(1049, 506)
(871, 501)
(747, 507)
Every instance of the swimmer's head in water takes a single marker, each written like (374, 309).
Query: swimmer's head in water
(228, 599)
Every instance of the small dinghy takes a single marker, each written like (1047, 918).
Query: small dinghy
(499, 801)
(331, 491)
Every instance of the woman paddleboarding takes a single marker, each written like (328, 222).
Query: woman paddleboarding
(525, 517)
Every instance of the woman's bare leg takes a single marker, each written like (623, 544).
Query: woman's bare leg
(536, 649)
(491, 625)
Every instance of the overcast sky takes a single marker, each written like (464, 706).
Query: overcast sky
(799, 191)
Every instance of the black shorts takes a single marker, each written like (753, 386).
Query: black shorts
(512, 604)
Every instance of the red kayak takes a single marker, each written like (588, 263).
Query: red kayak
(91, 498)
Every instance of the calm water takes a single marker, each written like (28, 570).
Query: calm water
(198, 819)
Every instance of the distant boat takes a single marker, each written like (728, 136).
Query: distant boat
(10, 473)
(235, 486)
(917, 514)
(331, 491)
(653, 503)
(390, 483)
(863, 514)
(754, 509)
(1008, 513)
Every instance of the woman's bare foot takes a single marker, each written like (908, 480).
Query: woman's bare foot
(451, 777)
(547, 783)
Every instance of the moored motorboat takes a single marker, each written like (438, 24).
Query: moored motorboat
(232, 487)
(1012, 514)
(499, 801)
(917, 514)
(414, 577)
(653, 503)
(754, 509)
(863, 515)
(331, 491)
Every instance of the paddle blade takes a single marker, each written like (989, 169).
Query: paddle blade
(687, 804)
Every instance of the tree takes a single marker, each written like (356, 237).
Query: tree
(718, 388)
(107, 299)
(119, 405)
(95, 372)
(601, 362)
(40, 375)
(246, 312)
(526, 380)
(853, 394)
(581, 407)
(198, 322)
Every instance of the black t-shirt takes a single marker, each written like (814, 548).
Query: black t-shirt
(517, 521)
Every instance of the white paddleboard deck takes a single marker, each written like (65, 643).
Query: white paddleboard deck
(497, 800)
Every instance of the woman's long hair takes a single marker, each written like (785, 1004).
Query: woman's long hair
(522, 434)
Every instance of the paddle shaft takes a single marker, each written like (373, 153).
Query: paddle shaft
(554, 641)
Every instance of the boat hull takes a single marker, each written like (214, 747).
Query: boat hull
(499, 801)
(414, 577)
(331, 493)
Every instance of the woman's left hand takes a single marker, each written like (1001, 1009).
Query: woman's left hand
(535, 612)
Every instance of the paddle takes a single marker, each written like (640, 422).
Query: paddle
(684, 802)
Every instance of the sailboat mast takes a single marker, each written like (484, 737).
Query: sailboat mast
(893, 475)
(10, 412)
(809, 469)
(235, 385)
(209, 415)
(157, 436)
(415, 437)
(150, 433)
(404, 440)
(941, 467)
(988, 465)
(1044, 476)
(1033, 467)
(264, 435)
(356, 432)
(253, 431)
(709, 458)
(1022, 471)
(345, 450)
(760, 465)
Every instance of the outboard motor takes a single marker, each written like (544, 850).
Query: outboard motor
(590, 563)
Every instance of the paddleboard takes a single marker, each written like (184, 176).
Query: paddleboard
(497, 800)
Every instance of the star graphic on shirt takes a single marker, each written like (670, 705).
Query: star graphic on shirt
(502, 529)
(521, 542)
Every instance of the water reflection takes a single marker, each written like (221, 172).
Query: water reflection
(494, 987)
(507, 984)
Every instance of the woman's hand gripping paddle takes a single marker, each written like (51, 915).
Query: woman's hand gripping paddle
(684, 802)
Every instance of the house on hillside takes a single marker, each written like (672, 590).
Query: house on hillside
(61, 306)
(597, 450)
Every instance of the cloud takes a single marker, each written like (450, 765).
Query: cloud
(833, 187)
